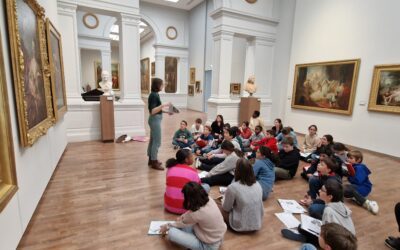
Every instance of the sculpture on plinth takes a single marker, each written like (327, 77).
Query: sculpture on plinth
(250, 86)
(106, 84)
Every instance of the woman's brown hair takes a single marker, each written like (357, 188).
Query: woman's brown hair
(244, 172)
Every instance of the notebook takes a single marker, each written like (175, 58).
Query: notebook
(154, 228)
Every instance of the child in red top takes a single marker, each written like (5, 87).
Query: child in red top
(245, 134)
(178, 174)
(268, 141)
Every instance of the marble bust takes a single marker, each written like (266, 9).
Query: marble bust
(106, 84)
(250, 86)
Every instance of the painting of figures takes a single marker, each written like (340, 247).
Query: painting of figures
(385, 90)
(145, 75)
(327, 86)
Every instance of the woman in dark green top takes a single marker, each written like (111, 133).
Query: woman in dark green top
(155, 117)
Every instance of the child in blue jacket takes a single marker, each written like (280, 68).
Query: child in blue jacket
(360, 186)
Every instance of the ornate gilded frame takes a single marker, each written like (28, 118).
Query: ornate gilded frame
(50, 29)
(28, 136)
(373, 98)
(354, 77)
(8, 183)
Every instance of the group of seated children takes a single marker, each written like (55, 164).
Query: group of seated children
(220, 151)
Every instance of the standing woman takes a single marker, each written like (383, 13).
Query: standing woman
(155, 117)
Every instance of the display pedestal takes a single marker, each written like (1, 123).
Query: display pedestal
(246, 108)
(107, 118)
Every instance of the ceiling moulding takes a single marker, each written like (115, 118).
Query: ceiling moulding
(223, 11)
(108, 7)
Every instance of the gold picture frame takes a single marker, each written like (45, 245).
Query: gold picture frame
(190, 90)
(54, 50)
(30, 69)
(8, 178)
(235, 88)
(385, 89)
(192, 75)
(326, 86)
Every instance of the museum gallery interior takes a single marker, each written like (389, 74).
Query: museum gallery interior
(78, 108)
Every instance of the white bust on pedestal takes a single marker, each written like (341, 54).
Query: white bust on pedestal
(106, 84)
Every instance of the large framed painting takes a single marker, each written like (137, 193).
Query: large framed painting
(153, 68)
(114, 74)
(171, 74)
(54, 48)
(8, 179)
(30, 69)
(145, 75)
(326, 86)
(385, 89)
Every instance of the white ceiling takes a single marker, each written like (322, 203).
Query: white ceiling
(181, 4)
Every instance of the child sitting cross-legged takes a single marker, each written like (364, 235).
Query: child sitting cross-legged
(256, 137)
(197, 129)
(289, 158)
(286, 132)
(264, 169)
(222, 174)
(179, 173)
(204, 142)
(217, 156)
(326, 171)
(268, 141)
(202, 226)
(360, 186)
(242, 206)
(245, 133)
(335, 212)
(182, 137)
(334, 236)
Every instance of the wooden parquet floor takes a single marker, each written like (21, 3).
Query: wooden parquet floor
(103, 196)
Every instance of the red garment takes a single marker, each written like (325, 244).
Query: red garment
(271, 143)
(246, 134)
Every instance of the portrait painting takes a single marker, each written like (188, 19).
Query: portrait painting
(54, 48)
(385, 89)
(197, 86)
(145, 75)
(153, 68)
(114, 74)
(235, 89)
(171, 74)
(192, 75)
(32, 86)
(191, 90)
(326, 86)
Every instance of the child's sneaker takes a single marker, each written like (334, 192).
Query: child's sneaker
(372, 206)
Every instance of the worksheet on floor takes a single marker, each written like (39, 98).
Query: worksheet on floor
(288, 219)
(155, 227)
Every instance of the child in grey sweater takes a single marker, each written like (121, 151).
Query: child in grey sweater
(243, 200)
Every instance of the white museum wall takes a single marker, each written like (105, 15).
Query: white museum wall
(209, 37)
(336, 30)
(285, 11)
(147, 49)
(101, 31)
(162, 17)
(197, 37)
(34, 165)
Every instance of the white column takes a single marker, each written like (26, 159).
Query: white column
(160, 65)
(183, 75)
(71, 55)
(222, 64)
(129, 56)
(264, 58)
(106, 60)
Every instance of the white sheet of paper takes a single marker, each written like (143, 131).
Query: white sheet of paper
(154, 228)
(288, 219)
(203, 174)
(311, 224)
(305, 155)
(222, 189)
(291, 206)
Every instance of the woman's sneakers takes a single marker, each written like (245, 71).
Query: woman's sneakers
(393, 243)
(372, 206)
